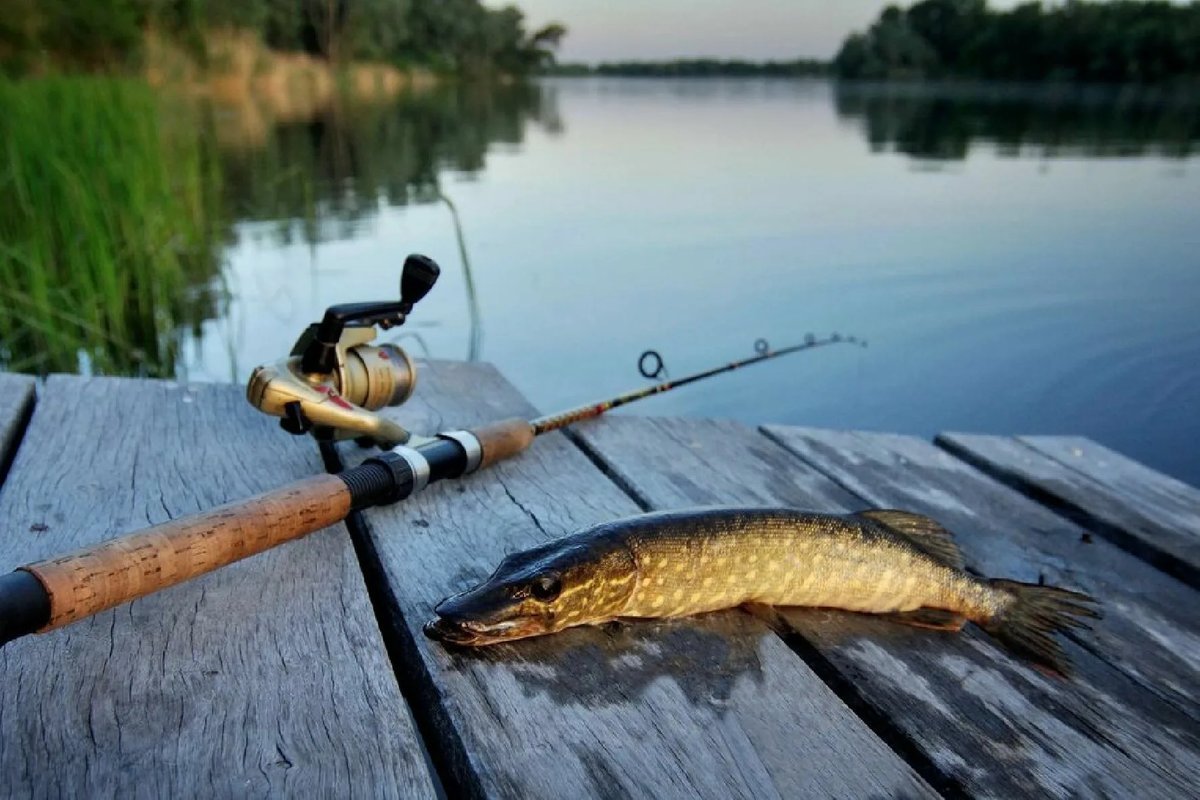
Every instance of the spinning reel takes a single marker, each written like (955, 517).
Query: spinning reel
(334, 380)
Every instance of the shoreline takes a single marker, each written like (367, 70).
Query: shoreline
(964, 88)
(240, 68)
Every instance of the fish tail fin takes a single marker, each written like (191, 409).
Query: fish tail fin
(1027, 626)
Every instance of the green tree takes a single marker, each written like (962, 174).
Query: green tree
(946, 25)
(19, 24)
(890, 49)
(1123, 40)
(90, 35)
(450, 35)
(380, 30)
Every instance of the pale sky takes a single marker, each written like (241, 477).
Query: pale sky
(607, 30)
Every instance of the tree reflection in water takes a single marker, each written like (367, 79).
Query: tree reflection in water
(943, 121)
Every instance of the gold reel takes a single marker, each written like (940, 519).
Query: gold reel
(335, 380)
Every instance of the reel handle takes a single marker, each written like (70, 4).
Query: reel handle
(320, 356)
(419, 275)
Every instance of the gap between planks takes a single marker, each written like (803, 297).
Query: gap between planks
(1151, 639)
(872, 716)
(464, 696)
(18, 398)
(1169, 545)
(402, 650)
(258, 676)
(764, 474)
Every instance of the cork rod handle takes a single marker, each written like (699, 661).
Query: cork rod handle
(503, 439)
(92, 579)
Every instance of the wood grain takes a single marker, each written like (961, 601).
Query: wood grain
(1143, 511)
(100, 576)
(1150, 632)
(16, 401)
(267, 677)
(713, 707)
(972, 718)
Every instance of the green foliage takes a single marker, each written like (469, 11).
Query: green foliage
(107, 237)
(449, 35)
(380, 31)
(1123, 40)
(319, 178)
(119, 202)
(83, 35)
(18, 36)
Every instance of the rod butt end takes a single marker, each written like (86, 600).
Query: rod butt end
(24, 605)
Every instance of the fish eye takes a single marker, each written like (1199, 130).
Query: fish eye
(546, 588)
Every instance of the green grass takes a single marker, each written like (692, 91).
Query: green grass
(109, 235)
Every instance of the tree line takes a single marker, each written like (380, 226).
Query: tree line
(694, 68)
(1121, 40)
(445, 35)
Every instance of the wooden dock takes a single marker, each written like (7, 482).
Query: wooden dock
(304, 671)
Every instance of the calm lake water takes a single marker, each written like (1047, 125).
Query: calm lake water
(1020, 261)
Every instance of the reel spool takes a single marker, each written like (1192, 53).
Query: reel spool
(334, 380)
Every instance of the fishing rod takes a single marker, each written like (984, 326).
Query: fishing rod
(562, 419)
(331, 387)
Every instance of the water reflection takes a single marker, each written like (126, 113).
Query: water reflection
(319, 176)
(113, 255)
(943, 122)
(110, 233)
(172, 228)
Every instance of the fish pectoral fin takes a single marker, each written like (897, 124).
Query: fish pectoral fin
(925, 533)
(934, 618)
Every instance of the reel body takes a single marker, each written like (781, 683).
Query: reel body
(335, 380)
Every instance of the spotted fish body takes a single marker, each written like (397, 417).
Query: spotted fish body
(676, 564)
(787, 558)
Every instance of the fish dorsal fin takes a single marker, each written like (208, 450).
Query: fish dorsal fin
(926, 534)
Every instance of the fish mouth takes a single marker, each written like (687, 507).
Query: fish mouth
(479, 617)
(472, 633)
(489, 613)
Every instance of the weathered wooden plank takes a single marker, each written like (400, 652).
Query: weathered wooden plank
(1151, 515)
(16, 400)
(716, 707)
(1150, 632)
(266, 678)
(958, 706)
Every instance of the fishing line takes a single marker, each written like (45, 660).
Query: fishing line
(651, 365)
(331, 385)
(475, 339)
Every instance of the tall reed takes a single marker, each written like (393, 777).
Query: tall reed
(110, 232)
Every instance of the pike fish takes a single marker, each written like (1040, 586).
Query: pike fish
(678, 563)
